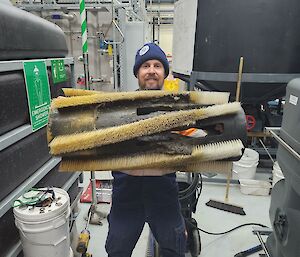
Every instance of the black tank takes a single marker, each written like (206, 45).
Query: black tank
(13, 104)
(27, 36)
(265, 33)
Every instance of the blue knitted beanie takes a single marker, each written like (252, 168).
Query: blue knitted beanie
(150, 51)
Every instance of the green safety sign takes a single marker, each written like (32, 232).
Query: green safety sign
(58, 71)
(38, 92)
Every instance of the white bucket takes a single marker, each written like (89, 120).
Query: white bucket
(277, 173)
(45, 232)
(255, 187)
(245, 168)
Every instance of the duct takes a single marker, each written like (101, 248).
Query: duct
(62, 16)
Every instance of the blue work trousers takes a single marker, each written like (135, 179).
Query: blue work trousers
(137, 200)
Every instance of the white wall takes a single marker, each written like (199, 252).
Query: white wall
(166, 38)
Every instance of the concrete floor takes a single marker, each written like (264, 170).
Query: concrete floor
(209, 219)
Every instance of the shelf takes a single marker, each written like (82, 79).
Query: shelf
(15, 250)
(18, 64)
(21, 132)
(247, 77)
(14, 136)
(71, 181)
(7, 202)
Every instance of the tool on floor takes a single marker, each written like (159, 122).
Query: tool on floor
(249, 251)
(84, 238)
(225, 206)
(137, 130)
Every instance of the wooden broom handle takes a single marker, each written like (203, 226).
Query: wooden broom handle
(238, 86)
(237, 98)
(227, 186)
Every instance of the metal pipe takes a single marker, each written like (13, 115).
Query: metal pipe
(72, 32)
(119, 30)
(283, 143)
(163, 10)
(55, 7)
(71, 40)
(86, 70)
(273, 128)
(131, 13)
(158, 23)
(69, 16)
(153, 29)
(121, 33)
(143, 10)
(262, 143)
(99, 80)
(60, 16)
(152, 17)
(94, 192)
(99, 56)
(85, 55)
(115, 61)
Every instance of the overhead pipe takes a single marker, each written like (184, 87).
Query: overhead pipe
(62, 16)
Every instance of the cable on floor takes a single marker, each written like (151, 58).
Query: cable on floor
(196, 186)
(228, 231)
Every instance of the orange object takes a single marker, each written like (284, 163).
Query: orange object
(187, 132)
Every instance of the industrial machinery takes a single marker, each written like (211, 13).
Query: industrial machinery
(215, 34)
(285, 208)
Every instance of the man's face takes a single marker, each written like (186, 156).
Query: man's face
(151, 75)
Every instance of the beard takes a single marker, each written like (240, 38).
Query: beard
(152, 89)
(150, 86)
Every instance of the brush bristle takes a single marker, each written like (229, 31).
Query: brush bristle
(87, 140)
(209, 98)
(221, 167)
(218, 151)
(79, 92)
(199, 161)
(87, 97)
(122, 163)
(107, 97)
(217, 110)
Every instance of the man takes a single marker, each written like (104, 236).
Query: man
(153, 199)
